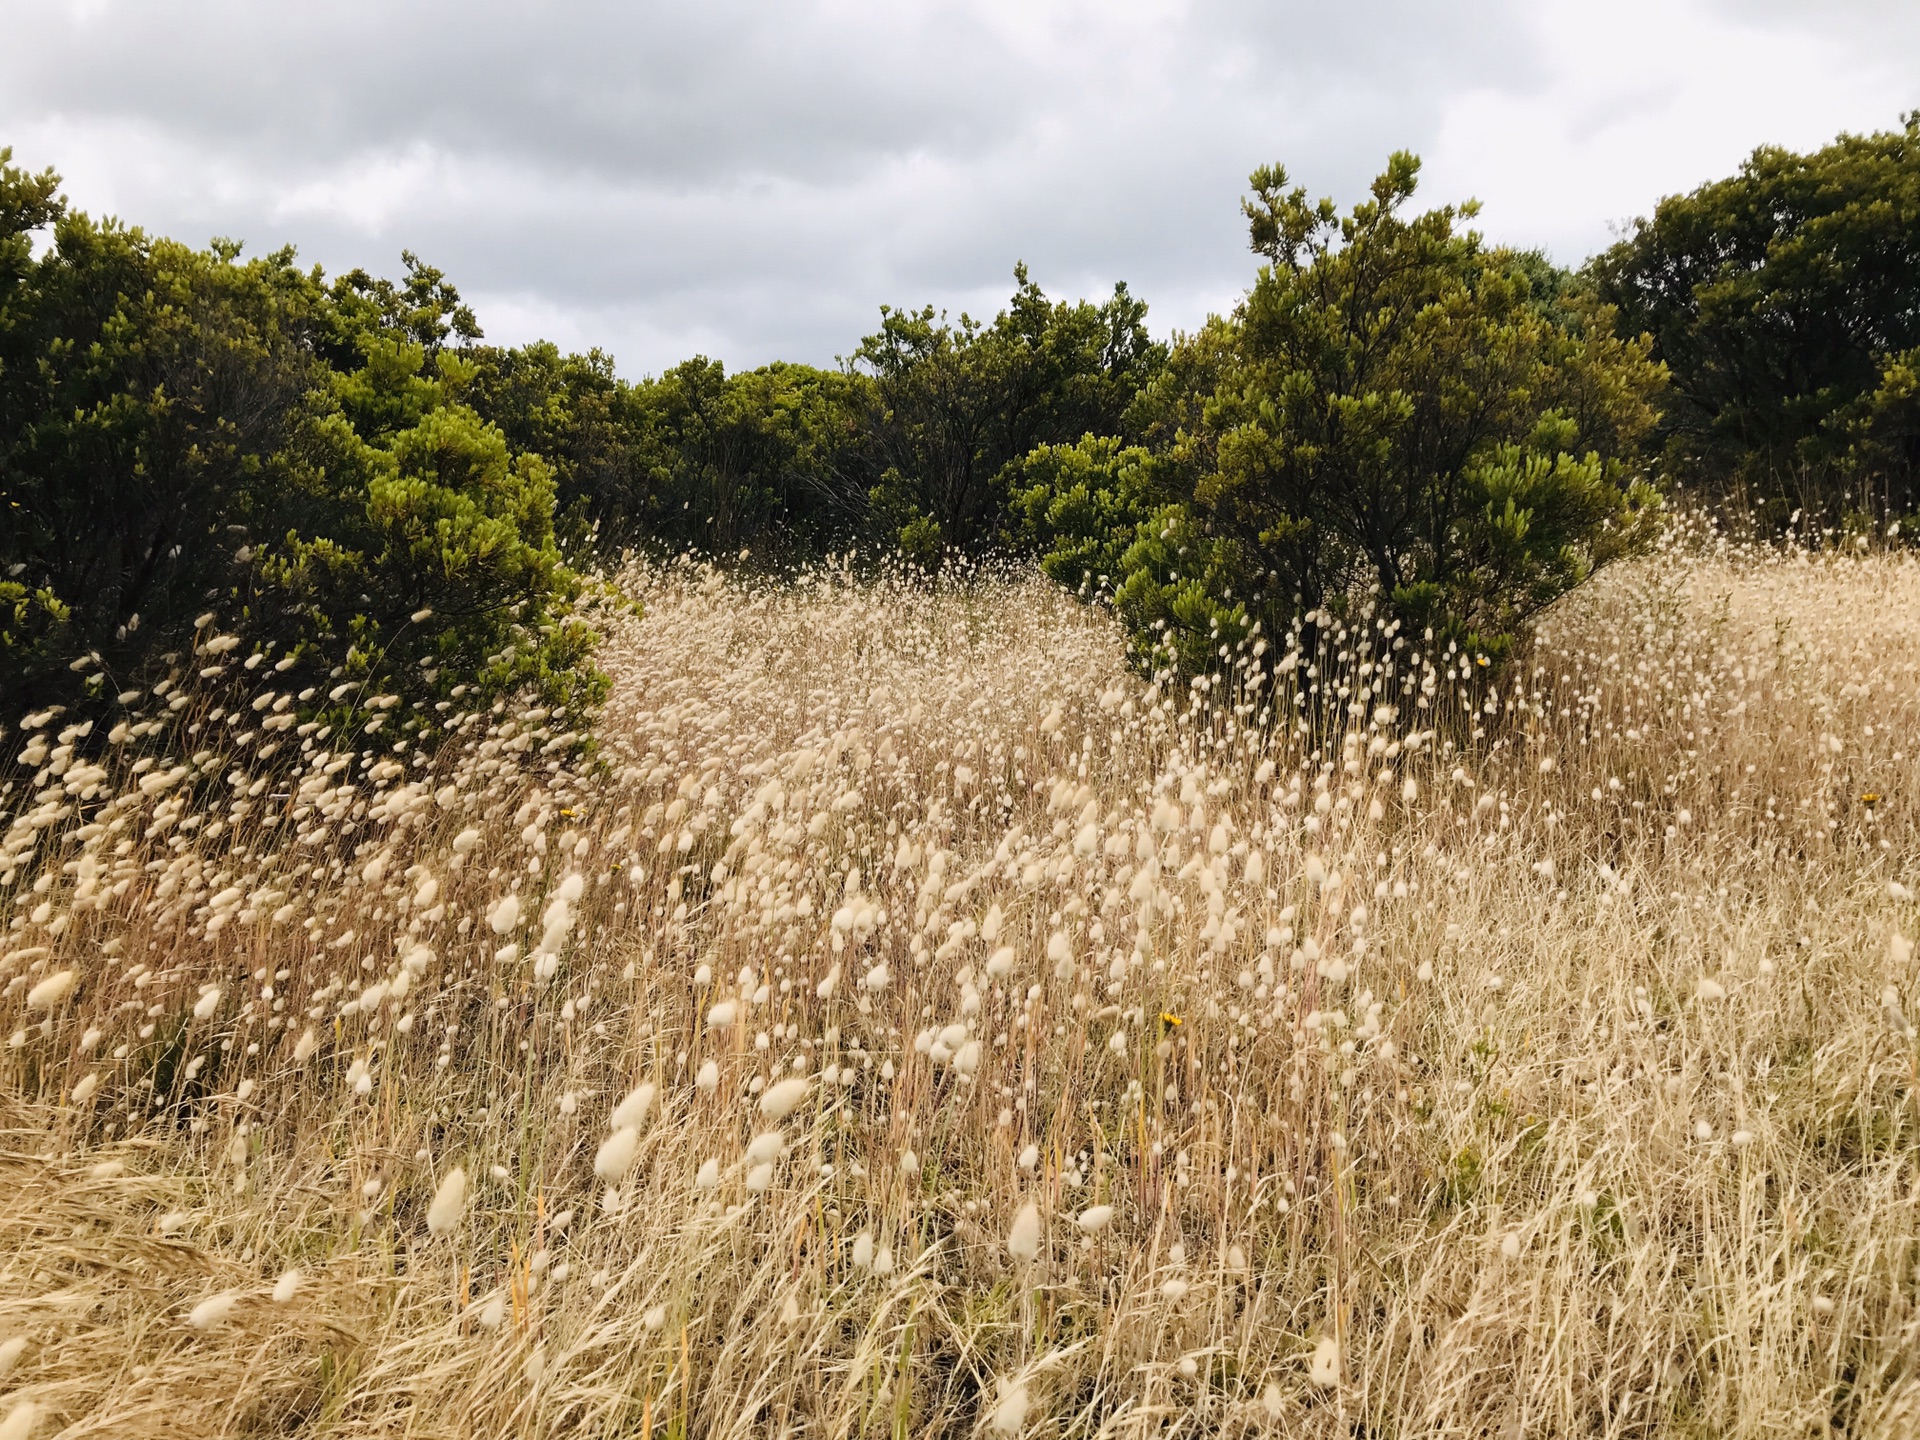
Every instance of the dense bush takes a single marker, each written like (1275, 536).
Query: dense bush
(182, 431)
(1393, 411)
(1396, 416)
(1785, 300)
(952, 408)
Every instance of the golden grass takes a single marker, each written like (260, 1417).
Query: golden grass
(1556, 1084)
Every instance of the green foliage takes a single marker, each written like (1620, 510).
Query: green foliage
(1785, 300)
(439, 570)
(771, 458)
(145, 389)
(1394, 410)
(953, 408)
(181, 430)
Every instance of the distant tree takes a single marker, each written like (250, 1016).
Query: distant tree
(182, 430)
(766, 458)
(1785, 301)
(955, 405)
(146, 391)
(1395, 414)
(570, 411)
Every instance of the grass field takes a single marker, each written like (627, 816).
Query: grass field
(909, 1023)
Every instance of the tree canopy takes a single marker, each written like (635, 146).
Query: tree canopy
(1397, 416)
(1785, 302)
(185, 430)
(1394, 410)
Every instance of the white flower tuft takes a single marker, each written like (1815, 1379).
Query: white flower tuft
(783, 1098)
(1010, 1415)
(1096, 1218)
(617, 1154)
(50, 991)
(1324, 1368)
(213, 1311)
(1023, 1240)
(631, 1113)
(449, 1203)
(505, 914)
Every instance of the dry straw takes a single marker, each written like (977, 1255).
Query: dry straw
(909, 1019)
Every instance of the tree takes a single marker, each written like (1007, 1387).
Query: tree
(183, 430)
(1394, 411)
(955, 406)
(145, 391)
(1785, 301)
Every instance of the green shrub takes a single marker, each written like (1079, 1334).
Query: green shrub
(182, 431)
(1785, 299)
(1393, 415)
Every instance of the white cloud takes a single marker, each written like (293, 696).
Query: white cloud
(1643, 98)
(753, 180)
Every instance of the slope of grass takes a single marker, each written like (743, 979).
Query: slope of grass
(1160, 1073)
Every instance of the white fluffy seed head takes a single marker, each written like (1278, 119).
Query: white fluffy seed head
(1023, 1240)
(631, 1113)
(1096, 1218)
(287, 1286)
(1324, 1368)
(213, 1311)
(22, 1420)
(449, 1203)
(11, 1349)
(616, 1154)
(51, 991)
(1010, 1414)
(782, 1099)
(708, 1080)
(505, 914)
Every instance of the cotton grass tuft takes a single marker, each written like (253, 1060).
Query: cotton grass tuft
(449, 1203)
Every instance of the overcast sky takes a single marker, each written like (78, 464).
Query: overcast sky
(752, 180)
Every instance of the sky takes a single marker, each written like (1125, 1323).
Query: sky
(751, 181)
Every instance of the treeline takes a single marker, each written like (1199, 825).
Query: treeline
(1397, 415)
(909, 447)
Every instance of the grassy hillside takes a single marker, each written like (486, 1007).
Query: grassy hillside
(1000, 1046)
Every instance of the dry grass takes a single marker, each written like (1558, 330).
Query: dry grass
(1555, 1085)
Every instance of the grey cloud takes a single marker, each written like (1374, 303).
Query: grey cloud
(749, 179)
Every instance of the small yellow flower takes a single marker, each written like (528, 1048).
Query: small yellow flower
(1872, 797)
(1169, 1019)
